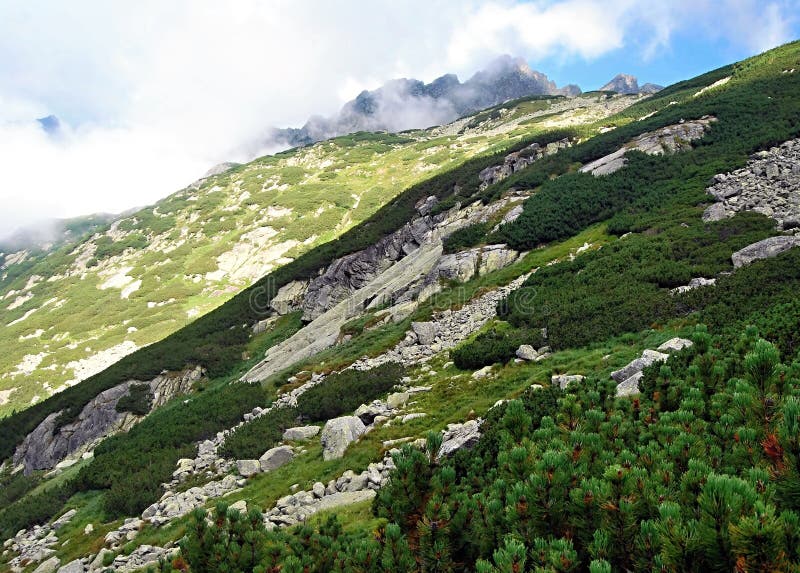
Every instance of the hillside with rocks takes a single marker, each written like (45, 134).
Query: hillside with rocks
(576, 349)
(75, 308)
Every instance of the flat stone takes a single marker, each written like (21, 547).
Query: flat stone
(49, 566)
(768, 248)
(300, 433)
(72, 567)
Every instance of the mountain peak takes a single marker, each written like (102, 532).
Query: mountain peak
(409, 103)
(628, 84)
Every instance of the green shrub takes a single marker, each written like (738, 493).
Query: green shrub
(137, 401)
(345, 391)
(498, 344)
(466, 237)
(254, 438)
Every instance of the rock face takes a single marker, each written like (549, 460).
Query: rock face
(47, 445)
(766, 249)
(289, 297)
(351, 273)
(49, 566)
(769, 184)
(527, 352)
(275, 458)
(517, 160)
(338, 434)
(668, 139)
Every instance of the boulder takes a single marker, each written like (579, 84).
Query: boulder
(240, 506)
(49, 566)
(275, 458)
(289, 297)
(338, 433)
(629, 386)
(564, 380)
(368, 412)
(300, 433)
(768, 248)
(527, 352)
(426, 332)
(247, 468)
(675, 345)
(72, 567)
(397, 400)
(647, 358)
(459, 436)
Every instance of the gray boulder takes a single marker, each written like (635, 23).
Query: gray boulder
(629, 386)
(460, 436)
(300, 433)
(426, 332)
(565, 380)
(72, 567)
(766, 249)
(289, 297)
(397, 400)
(527, 352)
(338, 434)
(275, 458)
(647, 358)
(247, 468)
(675, 345)
(49, 566)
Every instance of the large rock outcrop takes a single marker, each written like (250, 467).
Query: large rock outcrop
(353, 272)
(518, 160)
(48, 444)
(766, 249)
(668, 139)
(769, 184)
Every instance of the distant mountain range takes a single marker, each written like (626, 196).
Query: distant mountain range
(408, 103)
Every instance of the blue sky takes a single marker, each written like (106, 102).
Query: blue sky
(150, 94)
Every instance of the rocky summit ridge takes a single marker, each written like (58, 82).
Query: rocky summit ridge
(402, 104)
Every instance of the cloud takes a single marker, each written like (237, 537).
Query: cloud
(150, 94)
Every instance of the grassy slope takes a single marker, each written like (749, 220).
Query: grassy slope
(307, 196)
(456, 395)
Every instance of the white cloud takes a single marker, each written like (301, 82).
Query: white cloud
(153, 93)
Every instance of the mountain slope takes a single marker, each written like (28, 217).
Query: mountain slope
(407, 103)
(563, 409)
(68, 313)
